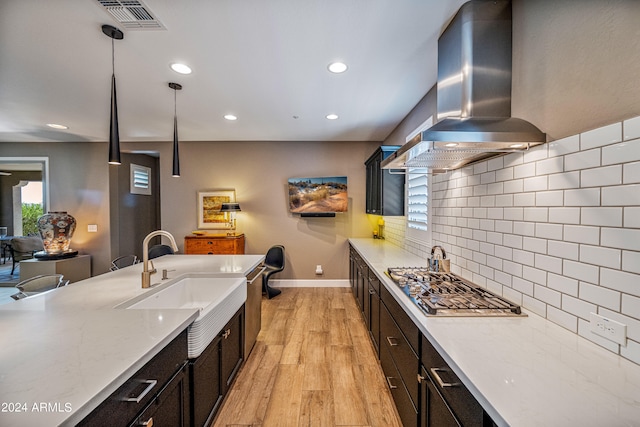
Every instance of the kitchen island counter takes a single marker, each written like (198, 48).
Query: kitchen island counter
(524, 371)
(65, 351)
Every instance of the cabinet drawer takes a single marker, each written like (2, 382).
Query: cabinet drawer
(406, 325)
(405, 359)
(462, 403)
(141, 388)
(405, 406)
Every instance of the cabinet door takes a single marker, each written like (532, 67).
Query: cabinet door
(373, 200)
(206, 390)
(406, 409)
(170, 408)
(374, 316)
(232, 346)
(434, 411)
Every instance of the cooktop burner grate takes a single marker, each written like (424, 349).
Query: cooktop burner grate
(445, 294)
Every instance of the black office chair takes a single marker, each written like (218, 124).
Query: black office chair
(274, 263)
(156, 251)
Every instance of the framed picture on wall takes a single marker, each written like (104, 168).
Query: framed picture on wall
(209, 204)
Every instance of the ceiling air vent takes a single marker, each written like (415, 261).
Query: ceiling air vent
(131, 14)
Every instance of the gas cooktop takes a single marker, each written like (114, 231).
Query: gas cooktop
(445, 294)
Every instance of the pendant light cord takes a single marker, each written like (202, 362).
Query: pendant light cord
(113, 58)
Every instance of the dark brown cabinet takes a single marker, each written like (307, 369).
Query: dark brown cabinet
(159, 390)
(385, 189)
(212, 373)
(372, 315)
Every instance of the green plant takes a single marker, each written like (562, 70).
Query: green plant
(30, 214)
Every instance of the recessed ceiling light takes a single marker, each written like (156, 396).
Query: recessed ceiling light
(57, 126)
(332, 116)
(337, 67)
(230, 117)
(451, 144)
(181, 68)
(516, 145)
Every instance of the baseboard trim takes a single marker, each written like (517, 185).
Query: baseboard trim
(290, 283)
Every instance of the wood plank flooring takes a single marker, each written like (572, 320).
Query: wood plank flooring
(313, 365)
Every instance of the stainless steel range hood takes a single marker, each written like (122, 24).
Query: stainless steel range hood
(473, 95)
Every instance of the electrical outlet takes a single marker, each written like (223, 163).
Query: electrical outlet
(610, 329)
(319, 269)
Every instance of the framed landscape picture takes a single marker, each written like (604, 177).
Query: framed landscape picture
(209, 204)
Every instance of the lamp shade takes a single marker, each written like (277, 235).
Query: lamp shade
(230, 207)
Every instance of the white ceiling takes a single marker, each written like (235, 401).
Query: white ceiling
(264, 61)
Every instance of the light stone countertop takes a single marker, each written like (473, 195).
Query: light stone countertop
(524, 371)
(64, 351)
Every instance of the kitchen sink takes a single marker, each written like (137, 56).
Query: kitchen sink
(216, 298)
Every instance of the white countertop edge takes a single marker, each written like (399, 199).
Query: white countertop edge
(79, 414)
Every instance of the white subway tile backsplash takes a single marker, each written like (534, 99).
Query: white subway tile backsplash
(578, 307)
(523, 257)
(598, 295)
(514, 186)
(561, 181)
(524, 171)
(534, 244)
(547, 295)
(564, 250)
(534, 275)
(631, 128)
(623, 195)
(534, 305)
(611, 217)
(548, 231)
(599, 177)
(550, 198)
(622, 238)
(550, 166)
(536, 214)
(631, 262)
(628, 151)
(582, 234)
(630, 305)
(601, 136)
(555, 229)
(537, 183)
(563, 284)
(563, 146)
(598, 255)
(522, 286)
(524, 199)
(563, 319)
(564, 215)
(631, 173)
(548, 263)
(582, 160)
(620, 281)
(582, 197)
(580, 271)
(524, 228)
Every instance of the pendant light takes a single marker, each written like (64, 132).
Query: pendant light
(114, 137)
(176, 157)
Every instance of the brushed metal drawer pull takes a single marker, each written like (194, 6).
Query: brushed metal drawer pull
(372, 291)
(391, 386)
(434, 372)
(258, 274)
(394, 343)
(226, 334)
(148, 423)
(150, 384)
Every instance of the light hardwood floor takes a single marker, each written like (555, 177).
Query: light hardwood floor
(313, 365)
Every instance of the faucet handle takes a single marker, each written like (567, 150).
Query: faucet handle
(152, 270)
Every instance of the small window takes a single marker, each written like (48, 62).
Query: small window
(417, 197)
(140, 180)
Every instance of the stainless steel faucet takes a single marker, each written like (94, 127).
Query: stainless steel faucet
(146, 271)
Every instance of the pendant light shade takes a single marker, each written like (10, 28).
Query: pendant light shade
(176, 154)
(114, 135)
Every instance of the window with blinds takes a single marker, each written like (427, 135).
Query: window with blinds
(140, 180)
(417, 198)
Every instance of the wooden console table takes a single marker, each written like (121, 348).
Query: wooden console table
(209, 244)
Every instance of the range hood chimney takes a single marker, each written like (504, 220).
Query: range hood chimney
(473, 95)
